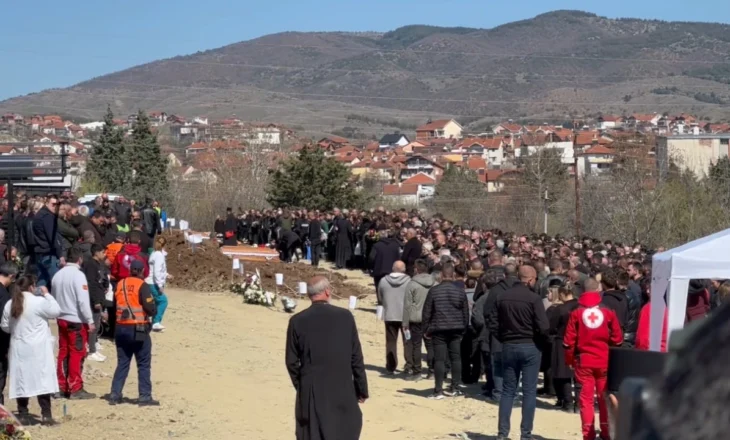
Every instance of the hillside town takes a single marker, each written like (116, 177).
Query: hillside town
(408, 165)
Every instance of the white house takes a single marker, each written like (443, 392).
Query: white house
(606, 122)
(595, 160)
(419, 164)
(393, 141)
(92, 126)
(270, 134)
(407, 194)
(530, 145)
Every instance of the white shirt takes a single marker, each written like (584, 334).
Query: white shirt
(158, 269)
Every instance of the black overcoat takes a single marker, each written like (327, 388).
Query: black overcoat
(325, 363)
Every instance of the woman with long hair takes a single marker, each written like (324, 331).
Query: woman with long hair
(157, 279)
(32, 366)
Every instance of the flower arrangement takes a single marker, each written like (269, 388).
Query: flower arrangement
(253, 292)
(10, 427)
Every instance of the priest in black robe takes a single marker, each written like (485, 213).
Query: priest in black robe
(345, 234)
(231, 229)
(324, 360)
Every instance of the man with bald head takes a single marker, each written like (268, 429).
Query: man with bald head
(391, 295)
(520, 323)
(324, 360)
(412, 250)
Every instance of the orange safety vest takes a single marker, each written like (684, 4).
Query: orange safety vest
(112, 250)
(129, 308)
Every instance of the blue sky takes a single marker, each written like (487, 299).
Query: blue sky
(57, 44)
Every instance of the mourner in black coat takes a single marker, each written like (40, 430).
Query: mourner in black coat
(386, 251)
(344, 234)
(559, 315)
(325, 363)
(231, 229)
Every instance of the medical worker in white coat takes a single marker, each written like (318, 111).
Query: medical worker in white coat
(32, 365)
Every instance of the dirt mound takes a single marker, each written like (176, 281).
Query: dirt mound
(207, 270)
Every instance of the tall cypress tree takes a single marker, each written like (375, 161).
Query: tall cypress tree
(108, 164)
(150, 167)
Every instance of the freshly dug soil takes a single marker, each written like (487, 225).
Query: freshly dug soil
(207, 270)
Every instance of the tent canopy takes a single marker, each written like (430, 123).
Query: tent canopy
(706, 257)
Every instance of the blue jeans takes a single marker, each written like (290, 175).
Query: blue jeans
(160, 301)
(519, 360)
(127, 348)
(497, 375)
(47, 266)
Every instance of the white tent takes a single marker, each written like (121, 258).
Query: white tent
(704, 258)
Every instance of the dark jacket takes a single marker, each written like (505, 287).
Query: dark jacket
(488, 308)
(559, 317)
(519, 317)
(96, 280)
(446, 308)
(69, 235)
(617, 301)
(45, 234)
(411, 252)
(150, 221)
(314, 232)
(4, 337)
(632, 324)
(124, 213)
(385, 252)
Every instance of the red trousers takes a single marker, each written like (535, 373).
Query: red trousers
(593, 383)
(72, 339)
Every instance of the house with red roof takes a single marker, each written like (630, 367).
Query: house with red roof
(529, 144)
(491, 149)
(439, 129)
(407, 194)
(412, 165)
(607, 122)
(420, 179)
(639, 120)
(508, 128)
(595, 160)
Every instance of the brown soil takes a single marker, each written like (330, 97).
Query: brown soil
(207, 270)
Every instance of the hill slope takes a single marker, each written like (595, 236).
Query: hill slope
(556, 64)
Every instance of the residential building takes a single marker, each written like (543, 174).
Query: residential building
(491, 149)
(393, 140)
(638, 120)
(439, 129)
(419, 164)
(691, 152)
(269, 135)
(594, 160)
(607, 122)
(508, 127)
(529, 145)
(407, 194)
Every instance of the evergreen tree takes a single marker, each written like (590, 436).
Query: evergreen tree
(150, 167)
(108, 165)
(312, 181)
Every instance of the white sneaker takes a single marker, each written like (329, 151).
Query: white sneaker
(99, 346)
(158, 327)
(97, 357)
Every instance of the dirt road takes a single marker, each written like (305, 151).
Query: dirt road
(219, 372)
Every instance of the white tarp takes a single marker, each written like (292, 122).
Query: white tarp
(704, 258)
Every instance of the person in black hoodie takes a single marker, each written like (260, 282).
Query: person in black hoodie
(8, 273)
(615, 299)
(411, 251)
(385, 252)
(559, 315)
(445, 319)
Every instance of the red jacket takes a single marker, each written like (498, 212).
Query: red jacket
(642, 332)
(121, 264)
(592, 327)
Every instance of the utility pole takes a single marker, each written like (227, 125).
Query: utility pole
(577, 198)
(544, 226)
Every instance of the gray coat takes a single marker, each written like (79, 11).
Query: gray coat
(391, 291)
(415, 296)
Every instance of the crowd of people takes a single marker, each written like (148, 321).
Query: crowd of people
(487, 304)
(98, 267)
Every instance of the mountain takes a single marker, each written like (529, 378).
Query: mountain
(554, 66)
